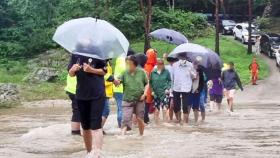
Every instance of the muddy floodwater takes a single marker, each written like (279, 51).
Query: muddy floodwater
(44, 132)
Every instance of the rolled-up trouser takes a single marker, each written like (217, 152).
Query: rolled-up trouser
(179, 104)
(75, 110)
(118, 97)
(91, 113)
(106, 109)
(128, 108)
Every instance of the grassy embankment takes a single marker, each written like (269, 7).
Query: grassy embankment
(230, 51)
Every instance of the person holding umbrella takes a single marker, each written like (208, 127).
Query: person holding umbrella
(91, 41)
(90, 97)
(182, 75)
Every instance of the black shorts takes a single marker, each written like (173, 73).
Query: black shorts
(75, 110)
(216, 98)
(184, 104)
(91, 113)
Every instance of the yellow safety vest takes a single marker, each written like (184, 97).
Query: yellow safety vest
(119, 70)
(108, 85)
(71, 84)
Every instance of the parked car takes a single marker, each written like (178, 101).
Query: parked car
(227, 26)
(240, 32)
(277, 55)
(269, 44)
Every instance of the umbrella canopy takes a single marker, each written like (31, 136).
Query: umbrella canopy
(169, 36)
(197, 53)
(91, 37)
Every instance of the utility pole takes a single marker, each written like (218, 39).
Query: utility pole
(250, 27)
(217, 40)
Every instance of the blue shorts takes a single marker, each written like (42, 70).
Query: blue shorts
(195, 100)
(106, 110)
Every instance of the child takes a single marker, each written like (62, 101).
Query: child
(254, 69)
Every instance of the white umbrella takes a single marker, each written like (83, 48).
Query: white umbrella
(91, 37)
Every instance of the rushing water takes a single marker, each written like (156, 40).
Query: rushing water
(44, 132)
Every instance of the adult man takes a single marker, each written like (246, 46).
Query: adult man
(230, 79)
(160, 82)
(90, 95)
(135, 83)
(182, 75)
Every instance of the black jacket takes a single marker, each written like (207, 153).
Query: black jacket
(230, 79)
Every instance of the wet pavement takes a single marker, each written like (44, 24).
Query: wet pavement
(42, 130)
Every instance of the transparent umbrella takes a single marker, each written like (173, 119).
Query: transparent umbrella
(91, 37)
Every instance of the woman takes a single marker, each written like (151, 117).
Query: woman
(160, 82)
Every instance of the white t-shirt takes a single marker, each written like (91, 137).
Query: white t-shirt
(182, 74)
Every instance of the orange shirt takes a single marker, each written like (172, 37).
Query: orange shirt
(149, 67)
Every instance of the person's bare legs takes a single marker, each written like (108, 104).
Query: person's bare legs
(87, 135)
(97, 141)
(165, 114)
(212, 105)
(141, 126)
(203, 114)
(231, 104)
(195, 112)
(124, 129)
(178, 116)
(186, 118)
(219, 105)
(171, 112)
(156, 116)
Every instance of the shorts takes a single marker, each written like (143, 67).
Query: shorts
(162, 103)
(181, 103)
(216, 98)
(91, 113)
(130, 108)
(194, 99)
(75, 110)
(106, 110)
(229, 94)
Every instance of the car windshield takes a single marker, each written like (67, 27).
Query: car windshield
(275, 39)
(228, 22)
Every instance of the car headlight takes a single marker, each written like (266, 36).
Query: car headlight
(226, 28)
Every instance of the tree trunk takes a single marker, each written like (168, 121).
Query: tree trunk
(250, 27)
(217, 40)
(147, 14)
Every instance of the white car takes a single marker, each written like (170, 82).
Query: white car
(240, 32)
(277, 55)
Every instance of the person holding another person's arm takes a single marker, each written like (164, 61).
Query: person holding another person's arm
(135, 84)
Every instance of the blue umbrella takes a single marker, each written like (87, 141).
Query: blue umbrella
(199, 54)
(169, 36)
(91, 37)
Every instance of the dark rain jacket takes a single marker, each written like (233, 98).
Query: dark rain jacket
(230, 79)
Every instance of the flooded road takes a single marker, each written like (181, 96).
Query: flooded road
(44, 132)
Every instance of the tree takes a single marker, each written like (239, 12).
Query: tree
(250, 27)
(217, 39)
(147, 14)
